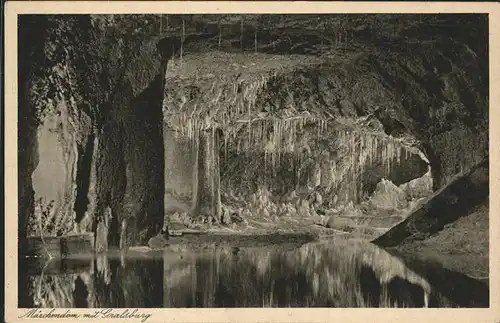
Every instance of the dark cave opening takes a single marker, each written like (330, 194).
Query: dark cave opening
(83, 177)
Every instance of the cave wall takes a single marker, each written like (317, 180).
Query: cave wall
(435, 94)
(27, 155)
(61, 142)
(431, 94)
(427, 79)
(90, 128)
(106, 120)
(145, 163)
(459, 199)
(55, 119)
(130, 168)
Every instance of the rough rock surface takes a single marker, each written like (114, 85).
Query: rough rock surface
(91, 134)
(388, 196)
(92, 90)
(449, 204)
(427, 87)
(384, 93)
(55, 121)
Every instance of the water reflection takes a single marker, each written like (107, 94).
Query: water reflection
(344, 274)
(331, 274)
(102, 281)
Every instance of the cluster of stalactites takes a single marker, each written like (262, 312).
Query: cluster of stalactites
(339, 156)
(272, 138)
(277, 137)
(218, 103)
(287, 137)
(355, 152)
(364, 148)
(332, 157)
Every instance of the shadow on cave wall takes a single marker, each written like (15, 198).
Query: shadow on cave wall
(131, 165)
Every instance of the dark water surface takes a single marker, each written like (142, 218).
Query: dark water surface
(339, 273)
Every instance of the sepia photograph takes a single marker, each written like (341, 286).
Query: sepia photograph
(252, 160)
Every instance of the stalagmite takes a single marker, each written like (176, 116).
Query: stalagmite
(207, 197)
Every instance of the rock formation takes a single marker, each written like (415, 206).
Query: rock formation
(90, 127)
(98, 93)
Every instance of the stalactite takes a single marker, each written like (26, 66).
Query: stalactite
(241, 35)
(249, 123)
(265, 159)
(182, 40)
(255, 41)
(226, 139)
(389, 156)
(371, 148)
(398, 154)
(353, 156)
(173, 56)
(220, 35)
